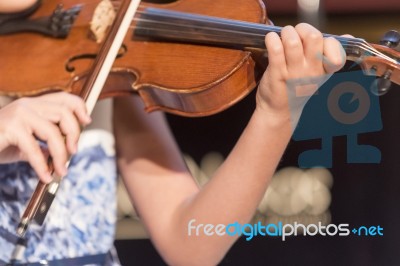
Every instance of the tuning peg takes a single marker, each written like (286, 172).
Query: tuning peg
(391, 39)
(382, 84)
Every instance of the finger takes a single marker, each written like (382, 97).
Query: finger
(72, 102)
(76, 105)
(276, 55)
(293, 48)
(51, 134)
(334, 55)
(66, 110)
(348, 36)
(313, 43)
(70, 128)
(31, 151)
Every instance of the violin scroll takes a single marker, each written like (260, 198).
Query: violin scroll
(382, 85)
(382, 61)
(391, 39)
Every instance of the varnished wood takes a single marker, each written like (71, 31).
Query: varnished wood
(169, 74)
(186, 79)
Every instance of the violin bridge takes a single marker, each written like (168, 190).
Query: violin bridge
(103, 17)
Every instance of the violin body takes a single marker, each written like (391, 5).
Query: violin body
(181, 78)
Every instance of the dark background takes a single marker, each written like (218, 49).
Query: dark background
(362, 194)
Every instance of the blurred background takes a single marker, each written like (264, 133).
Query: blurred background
(359, 194)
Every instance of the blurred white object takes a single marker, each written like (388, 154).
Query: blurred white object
(294, 191)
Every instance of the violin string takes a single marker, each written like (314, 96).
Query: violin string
(191, 27)
(346, 42)
(265, 27)
(211, 29)
(372, 50)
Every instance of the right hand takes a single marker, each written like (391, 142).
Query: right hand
(52, 118)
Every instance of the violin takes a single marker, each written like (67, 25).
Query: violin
(182, 57)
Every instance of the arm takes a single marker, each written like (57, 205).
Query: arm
(164, 193)
(50, 118)
(7, 6)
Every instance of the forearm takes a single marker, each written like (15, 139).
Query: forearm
(243, 177)
(234, 192)
(166, 196)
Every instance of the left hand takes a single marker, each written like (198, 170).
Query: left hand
(301, 55)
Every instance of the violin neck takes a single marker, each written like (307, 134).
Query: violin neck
(193, 28)
(184, 27)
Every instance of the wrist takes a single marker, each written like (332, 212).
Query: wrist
(273, 120)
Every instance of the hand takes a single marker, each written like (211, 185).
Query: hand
(302, 59)
(52, 118)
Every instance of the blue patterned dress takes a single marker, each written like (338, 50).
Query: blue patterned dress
(82, 218)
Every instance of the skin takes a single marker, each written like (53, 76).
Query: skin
(8, 6)
(162, 189)
(164, 192)
(50, 118)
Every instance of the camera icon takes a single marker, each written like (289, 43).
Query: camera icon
(344, 105)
